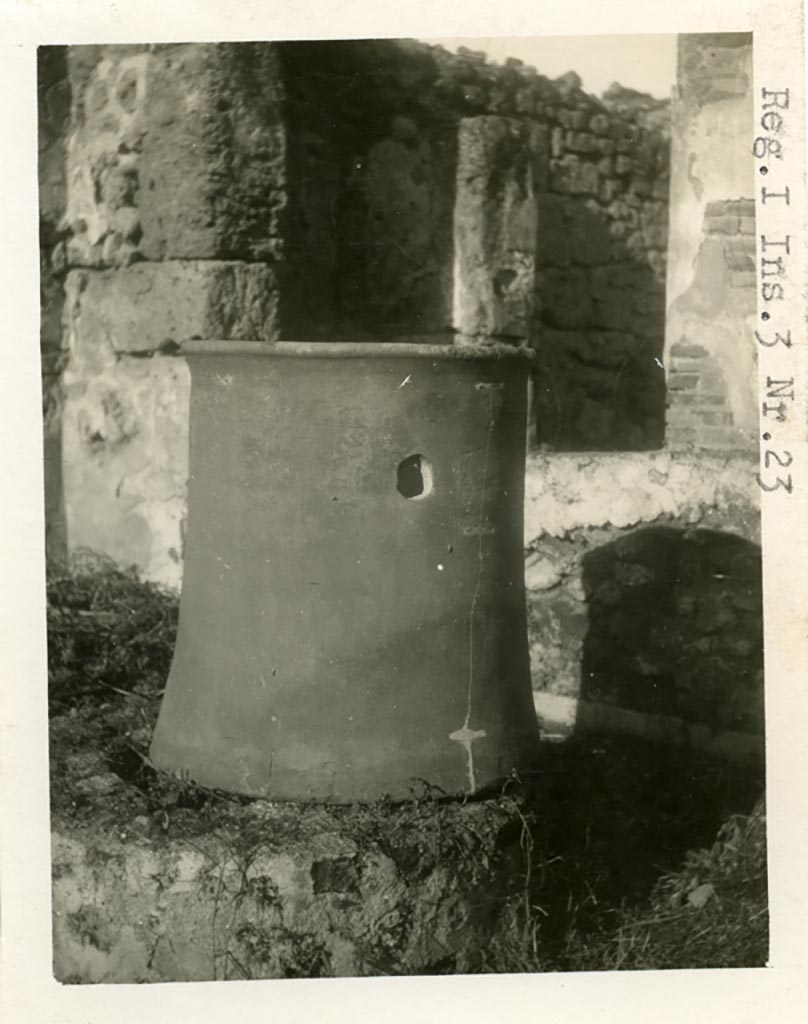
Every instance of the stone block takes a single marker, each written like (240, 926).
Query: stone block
(589, 238)
(623, 165)
(642, 187)
(149, 306)
(581, 142)
(541, 574)
(678, 438)
(725, 225)
(696, 398)
(739, 253)
(594, 421)
(613, 277)
(650, 302)
(655, 237)
(657, 261)
(613, 312)
(599, 124)
(619, 210)
(713, 417)
(569, 175)
(606, 166)
(679, 365)
(188, 138)
(317, 893)
(744, 207)
(717, 208)
(687, 351)
(683, 381)
(723, 438)
(608, 350)
(608, 190)
(526, 101)
(565, 296)
(213, 162)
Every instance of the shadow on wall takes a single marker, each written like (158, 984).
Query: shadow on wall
(675, 627)
(658, 634)
(600, 383)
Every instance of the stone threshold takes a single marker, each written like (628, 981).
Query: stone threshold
(560, 717)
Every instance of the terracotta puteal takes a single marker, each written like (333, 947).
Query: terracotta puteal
(352, 622)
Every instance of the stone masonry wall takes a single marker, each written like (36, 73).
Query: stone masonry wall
(600, 385)
(376, 123)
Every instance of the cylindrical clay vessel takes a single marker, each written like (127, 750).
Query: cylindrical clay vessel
(352, 622)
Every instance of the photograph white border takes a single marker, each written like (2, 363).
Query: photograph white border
(28, 992)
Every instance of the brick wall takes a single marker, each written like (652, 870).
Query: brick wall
(700, 412)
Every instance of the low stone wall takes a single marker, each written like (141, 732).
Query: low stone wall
(284, 891)
(644, 589)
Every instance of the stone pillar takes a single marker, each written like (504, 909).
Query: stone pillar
(173, 230)
(502, 166)
(710, 354)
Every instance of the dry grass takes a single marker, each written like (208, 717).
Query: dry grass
(711, 913)
(107, 631)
